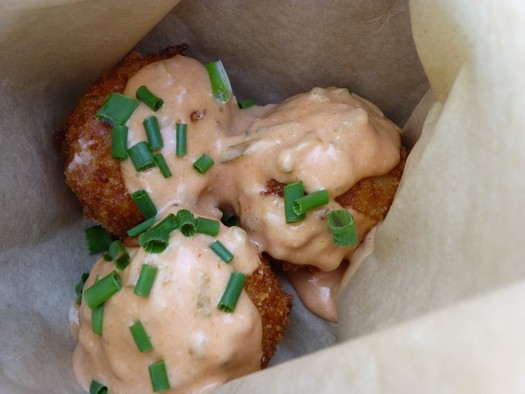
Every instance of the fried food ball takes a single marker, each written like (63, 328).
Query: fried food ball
(85, 142)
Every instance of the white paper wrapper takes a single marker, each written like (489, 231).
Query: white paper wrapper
(453, 232)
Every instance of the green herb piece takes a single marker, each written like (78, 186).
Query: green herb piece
(181, 135)
(159, 376)
(151, 125)
(221, 251)
(207, 226)
(97, 388)
(119, 254)
(220, 83)
(155, 240)
(119, 142)
(203, 163)
(117, 109)
(341, 224)
(79, 286)
(163, 166)
(144, 203)
(292, 192)
(102, 290)
(148, 98)
(140, 337)
(309, 202)
(97, 319)
(141, 227)
(98, 239)
(141, 156)
(186, 222)
(246, 103)
(232, 293)
(145, 281)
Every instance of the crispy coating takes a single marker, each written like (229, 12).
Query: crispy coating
(85, 143)
(274, 306)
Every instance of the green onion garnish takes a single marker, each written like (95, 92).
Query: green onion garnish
(311, 201)
(97, 318)
(220, 84)
(230, 219)
(119, 254)
(186, 222)
(151, 125)
(159, 376)
(119, 142)
(221, 251)
(207, 226)
(141, 338)
(246, 103)
(107, 257)
(79, 286)
(141, 156)
(203, 163)
(341, 224)
(144, 203)
(155, 240)
(292, 192)
(232, 293)
(97, 239)
(141, 227)
(145, 281)
(117, 109)
(181, 139)
(163, 166)
(148, 98)
(97, 388)
(102, 289)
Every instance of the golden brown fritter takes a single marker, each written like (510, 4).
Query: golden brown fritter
(85, 142)
(274, 306)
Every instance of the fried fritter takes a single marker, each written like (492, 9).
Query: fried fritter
(85, 142)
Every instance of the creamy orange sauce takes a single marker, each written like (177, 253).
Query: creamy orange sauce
(201, 345)
(327, 138)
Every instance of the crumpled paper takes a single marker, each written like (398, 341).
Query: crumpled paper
(453, 232)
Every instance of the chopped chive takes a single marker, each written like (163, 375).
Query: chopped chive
(144, 203)
(151, 125)
(119, 254)
(97, 388)
(107, 257)
(97, 319)
(221, 251)
(163, 166)
(181, 139)
(311, 201)
(145, 281)
(186, 222)
(207, 226)
(220, 84)
(232, 293)
(341, 224)
(155, 240)
(141, 227)
(102, 290)
(159, 376)
(140, 337)
(230, 219)
(141, 156)
(119, 142)
(79, 286)
(148, 98)
(117, 109)
(292, 192)
(98, 239)
(203, 163)
(246, 103)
